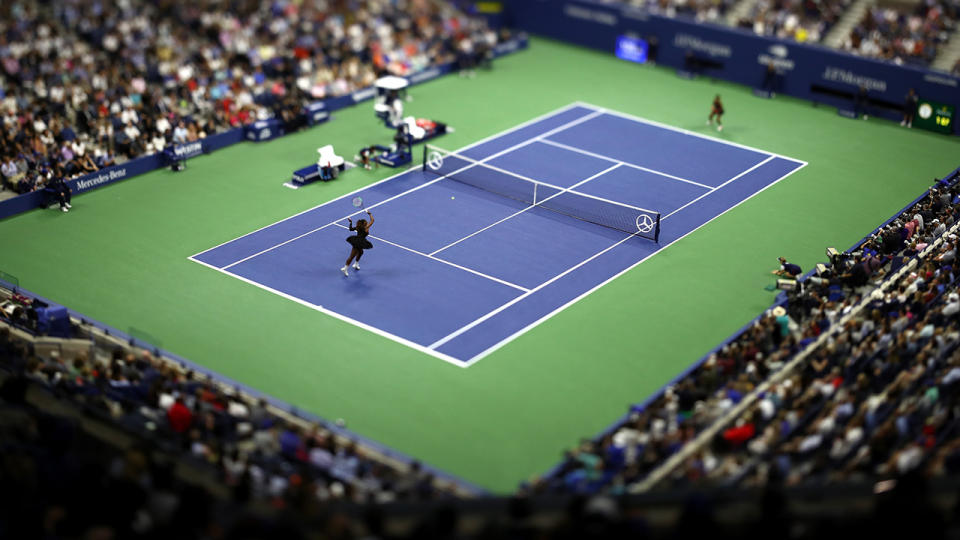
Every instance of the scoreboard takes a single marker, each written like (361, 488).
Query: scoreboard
(632, 48)
(934, 116)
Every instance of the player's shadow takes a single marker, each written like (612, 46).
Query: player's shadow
(707, 129)
(362, 283)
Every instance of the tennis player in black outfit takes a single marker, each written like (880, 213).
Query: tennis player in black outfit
(716, 110)
(358, 241)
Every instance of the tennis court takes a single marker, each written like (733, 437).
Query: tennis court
(488, 241)
(509, 416)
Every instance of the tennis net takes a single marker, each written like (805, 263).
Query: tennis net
(566, 201)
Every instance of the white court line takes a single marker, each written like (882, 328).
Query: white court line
(684, 131)
(463, 329)
(607, 158)
(393, 337)
(597, 112)
(404, 341)
(430, 256)
(487, 139)
(601, 173)
(411, 190)
(531, 180)
(721, 185)
(479, 356)
(285, 242)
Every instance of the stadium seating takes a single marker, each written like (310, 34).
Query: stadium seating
(876, 325)
(245, 442)
(704, 11)
(850, 378)
(908, 33)
(133, 80)
(806, 22)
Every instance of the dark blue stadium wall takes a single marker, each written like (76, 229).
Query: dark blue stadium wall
(810, 72)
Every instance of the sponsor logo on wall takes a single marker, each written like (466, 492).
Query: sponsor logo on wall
(101, 178)
(425, 75)
(507, 47)
(361, 95)
(635, 13)
(778, 55)
(939, 79)
(836, 74)
(694, 43)
(584, 14)
(188, 150)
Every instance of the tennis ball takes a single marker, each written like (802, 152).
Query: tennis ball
(452, 197)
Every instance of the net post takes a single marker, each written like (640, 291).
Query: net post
(656, 234)
(423, 163)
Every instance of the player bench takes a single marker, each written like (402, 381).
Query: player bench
(311, 173)
(328, 160)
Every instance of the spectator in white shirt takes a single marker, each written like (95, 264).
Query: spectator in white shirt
(11, 175)
(180, 133)
(163, 125)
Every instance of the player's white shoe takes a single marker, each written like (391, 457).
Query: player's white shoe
(719, 128)
(68, 205)
(356, 265)
(344, 270)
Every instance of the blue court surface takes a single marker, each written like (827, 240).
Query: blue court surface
(457, 271)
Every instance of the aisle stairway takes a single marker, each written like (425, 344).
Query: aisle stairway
(739, 11)
(841, 30)
(949, 54)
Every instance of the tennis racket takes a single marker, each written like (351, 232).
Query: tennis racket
(358, 202)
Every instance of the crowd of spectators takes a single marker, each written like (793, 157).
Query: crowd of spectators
(805, 21)
(257, 454)
(904, 34)
(885, 377)
(878, 400)
(712, 11)
(61, 479)
(86, 84)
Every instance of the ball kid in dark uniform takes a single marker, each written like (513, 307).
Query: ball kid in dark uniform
(358, 242)
(716, 110)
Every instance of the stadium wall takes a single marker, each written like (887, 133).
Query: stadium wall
(316, 113)
(810, 72)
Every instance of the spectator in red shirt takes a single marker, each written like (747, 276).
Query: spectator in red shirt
(179, 416)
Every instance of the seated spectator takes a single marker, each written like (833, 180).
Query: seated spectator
(328, 172)
(27, 183)
(11, 174)
(61, 191)
(104, 158)
(180, 133)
